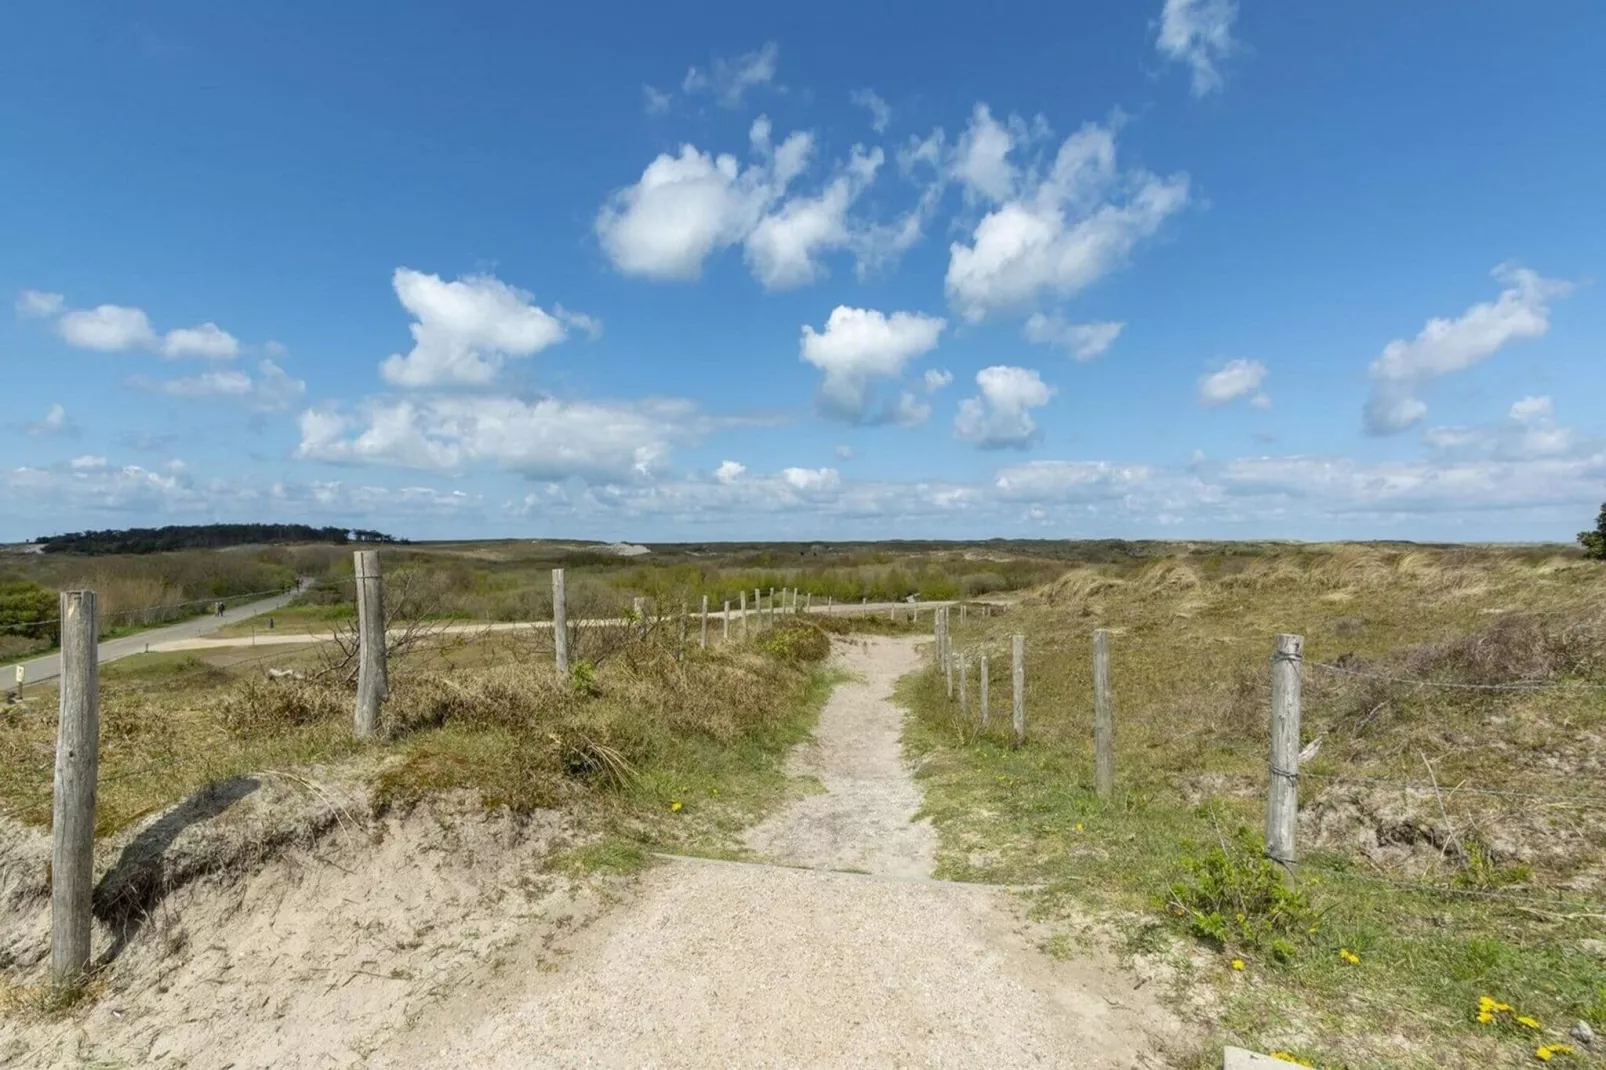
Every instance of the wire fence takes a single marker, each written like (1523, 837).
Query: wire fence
(957, 664)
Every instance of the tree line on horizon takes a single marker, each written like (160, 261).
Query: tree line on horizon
(202, 537)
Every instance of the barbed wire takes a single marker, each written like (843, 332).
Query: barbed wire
(1412, 785)
(1517, 685)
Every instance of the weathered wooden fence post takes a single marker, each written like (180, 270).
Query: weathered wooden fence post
(638, 616)
(983, 696)
(744, 615)
(1018, 679)
(961, 614)
(72, 826)
(704, 639)
(727, 620)
(1282, 804)
(373, 682)
(758, 611)
(808, 602)
(1103, 717)
(964, 699)
(560, 622)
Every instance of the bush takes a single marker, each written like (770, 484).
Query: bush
(796, 641)
(1234, 896)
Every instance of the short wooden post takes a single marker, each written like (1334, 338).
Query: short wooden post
(560, 622)
(1282, 804)
(961, 614)
(685, 619)
(704, 640)
(948, 655)
(964, 699)
(830, 604)
(808, 602)
(758, 610)
(983, 696)
(72, 826)
(1018, 680)
(373, 684)
(1103, 717)
(744, 615)
(727, 620)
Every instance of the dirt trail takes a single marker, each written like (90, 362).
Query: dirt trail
(758, 965)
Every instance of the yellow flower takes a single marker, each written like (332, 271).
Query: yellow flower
(1078, 826)
(674, 807)
(1237, 964)
(1529, 1021)
(1544, 1053)
(1289, 1057)
(1349, 956)
(1485, 1017)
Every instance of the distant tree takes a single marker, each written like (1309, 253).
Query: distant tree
(1595, 541)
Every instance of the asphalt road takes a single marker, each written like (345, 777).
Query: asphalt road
(48, 666)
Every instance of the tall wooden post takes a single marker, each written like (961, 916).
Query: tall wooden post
(560, 622)
(1282, 804)
(727, 620)
(1103, 717)
(704, 640)
(1018, 680)
(373, 682)
(72, 827)
(638, 615)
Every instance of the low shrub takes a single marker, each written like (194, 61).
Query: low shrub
(796, 641)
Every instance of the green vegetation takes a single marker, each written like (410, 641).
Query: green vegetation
(1377, 956)
(1594, 542)
(199, 537)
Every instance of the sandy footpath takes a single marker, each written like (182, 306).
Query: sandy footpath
(768, 965)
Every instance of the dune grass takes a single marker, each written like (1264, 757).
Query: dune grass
(663, 743)
(1192, 636)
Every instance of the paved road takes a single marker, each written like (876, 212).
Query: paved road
(48, 667)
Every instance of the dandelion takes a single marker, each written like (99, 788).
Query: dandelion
(1349, 956)
(1078, 826)
(1238, 964)
(674, 807)
(1528, 1020)
(1545, 1052)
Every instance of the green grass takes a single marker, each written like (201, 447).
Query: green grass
(1191, 690)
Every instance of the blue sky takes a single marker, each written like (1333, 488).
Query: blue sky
(1177, 268)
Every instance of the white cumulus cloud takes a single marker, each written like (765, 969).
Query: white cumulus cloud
(1000, 416)
(207, 340)
(1199, 34)
(729, 471)
(859, 346)
(543, 439)
(1236, 379)
(1083, 341)
(1446, 346)
(108, 328)
(783, 248)
(1056, 233)
(464, 330)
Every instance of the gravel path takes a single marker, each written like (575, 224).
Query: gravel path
(755, 965)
